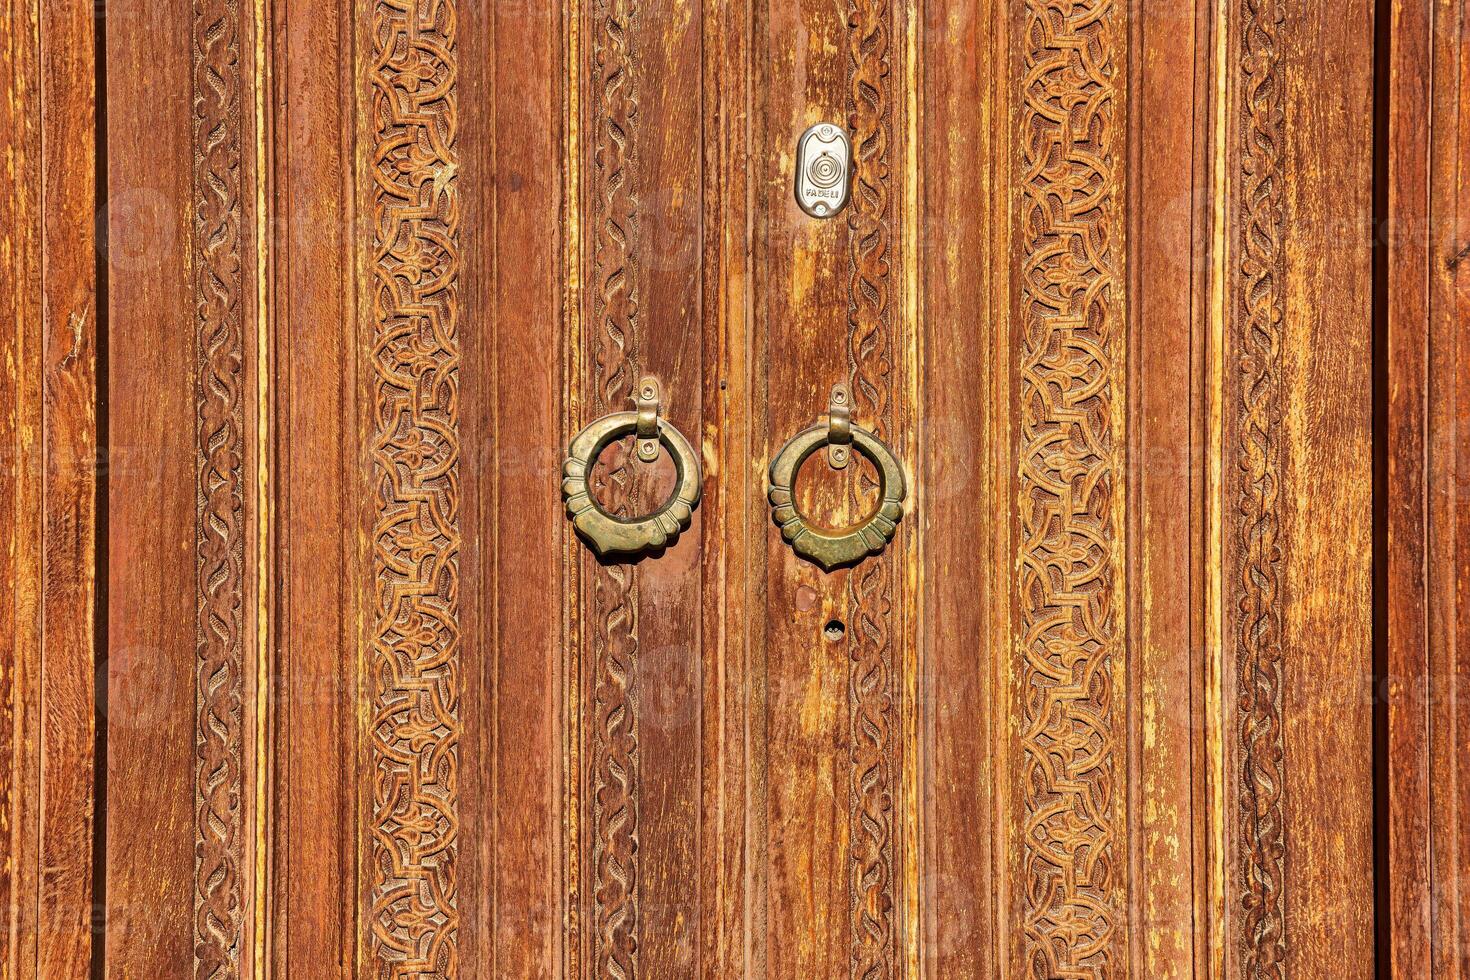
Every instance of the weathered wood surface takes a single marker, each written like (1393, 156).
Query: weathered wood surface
(1106, 286)
(48, 488)
(1424, 360)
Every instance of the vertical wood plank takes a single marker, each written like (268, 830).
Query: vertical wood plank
(1296, 505)
(49, 349)
(20, 503)
(318, 492)
(1427, 373)
(1326, 513)
(666, 181)
(152, 489)
(1410, 682)
(966, 285)
(1166, 394)
(733, 518)
(69, 323)
(1448, 455)
(522, 567)
(478, 474)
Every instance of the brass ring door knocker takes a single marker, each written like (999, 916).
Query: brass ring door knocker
(615, 536)
(832, 549)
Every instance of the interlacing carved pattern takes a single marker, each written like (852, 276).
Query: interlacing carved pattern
(614, 601)
(414, 685)
(1071, 552)
(1260, 310)
(219, 530)
(871, 676)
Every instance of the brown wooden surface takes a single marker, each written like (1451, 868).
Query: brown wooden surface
(48, 488)
(318, 495)
(1326, 482)
(151, 494)
(1101, 709)
(1424, 370)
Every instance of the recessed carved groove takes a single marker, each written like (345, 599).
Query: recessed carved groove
(1260, 307)
(614, 587)
(872, 705)
(1071, 401)
(219, 527)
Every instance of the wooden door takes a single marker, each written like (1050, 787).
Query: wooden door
(1117, 699)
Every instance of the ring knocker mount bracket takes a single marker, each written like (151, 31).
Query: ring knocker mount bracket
(626, 538)
(834, 549)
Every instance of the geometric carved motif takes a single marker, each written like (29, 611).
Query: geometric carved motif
(614, 601)
(1072, 337)
(219, 530)
(413, 677)
(1260, 308)
(871, 701)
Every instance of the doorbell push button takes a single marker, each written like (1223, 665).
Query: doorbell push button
(823, 170)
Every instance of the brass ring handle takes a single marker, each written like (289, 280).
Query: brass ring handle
(609, 535)
(832, 549)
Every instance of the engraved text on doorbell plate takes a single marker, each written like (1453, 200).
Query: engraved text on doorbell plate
(823, 170)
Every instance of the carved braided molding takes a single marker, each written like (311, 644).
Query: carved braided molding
(614, 599)
(1260, 307)
(1072, 323)
(413, 682)
(219, 527)
(871, 701)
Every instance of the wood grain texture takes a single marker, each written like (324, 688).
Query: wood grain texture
(514, 233)
(1168, 225)
(1447, 444)
(1103, 286)
(733, 515)
(1426, 371)
(1327, 511)
(317, 494)
(1447, 457)
(1297, 547)
(968, 556)
(1408, 684)
(153, 488)
(48, 484)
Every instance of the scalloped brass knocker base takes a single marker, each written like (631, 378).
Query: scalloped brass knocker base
(613, 536)
(833, 549)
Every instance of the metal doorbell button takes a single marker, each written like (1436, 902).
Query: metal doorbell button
(823, 170)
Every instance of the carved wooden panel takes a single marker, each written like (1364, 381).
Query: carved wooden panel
(220, 542)
(612, 609)
(873, 682)
(1260, 306)
(414, 676)
(1070, 493)
(1105, 286)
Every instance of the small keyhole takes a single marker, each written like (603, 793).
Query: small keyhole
(834, 630)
